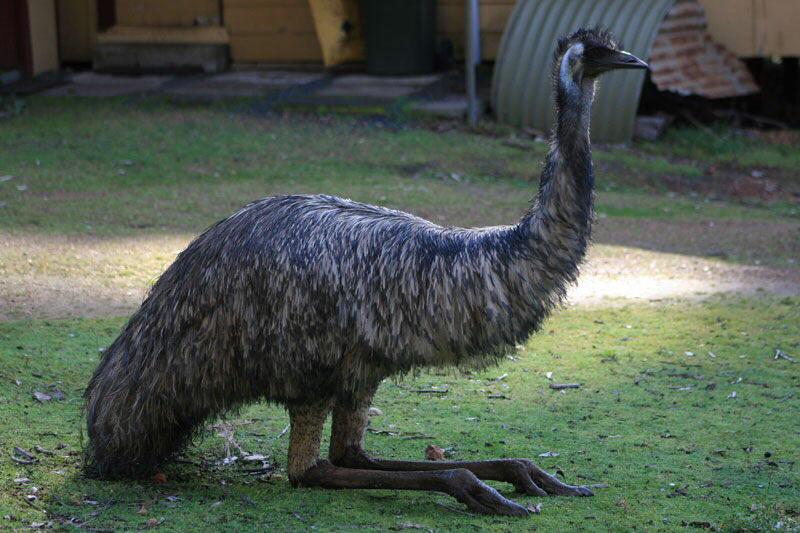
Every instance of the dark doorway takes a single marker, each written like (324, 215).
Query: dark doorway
(106, 14)
(15, 47)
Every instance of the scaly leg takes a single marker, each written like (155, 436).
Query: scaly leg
(307, 470)
(347, 438)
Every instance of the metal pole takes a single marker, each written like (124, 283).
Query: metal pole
(472, 59)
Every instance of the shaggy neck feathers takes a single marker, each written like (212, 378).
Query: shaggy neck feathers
(567, 180)
(558, 224)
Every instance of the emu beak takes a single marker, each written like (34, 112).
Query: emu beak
(609, 59)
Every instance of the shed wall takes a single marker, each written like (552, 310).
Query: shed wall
(753, 28)
(44, 42)
(167, 12)
(282, 31)
(271, 31)
(493, 17)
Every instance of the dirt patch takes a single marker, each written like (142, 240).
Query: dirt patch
(754, 186)
(716, 182)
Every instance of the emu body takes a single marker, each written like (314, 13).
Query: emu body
(310, 301)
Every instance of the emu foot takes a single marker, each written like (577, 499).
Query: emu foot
(460, 483)
(526, 477)
(530, 479)
(480, 497)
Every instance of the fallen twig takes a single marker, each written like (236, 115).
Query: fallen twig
(22, 453)
(259, 471)
(42, 450)
(383, 432)
(415, 436)
(780, 354)
(405, 436)
(20, 456)
(561, 386)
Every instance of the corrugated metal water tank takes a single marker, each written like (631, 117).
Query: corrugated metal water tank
(521, 88)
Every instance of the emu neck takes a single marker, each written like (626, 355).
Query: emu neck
(559, 222)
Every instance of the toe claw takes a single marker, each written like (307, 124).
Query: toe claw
(508, 508)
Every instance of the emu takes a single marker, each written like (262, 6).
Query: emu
(311, 301)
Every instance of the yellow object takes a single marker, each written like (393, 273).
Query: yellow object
(44, 35)
(338, 25)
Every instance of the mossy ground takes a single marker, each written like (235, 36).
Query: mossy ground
(105, 192)
(654, 420)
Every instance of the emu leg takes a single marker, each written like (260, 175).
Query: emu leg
(347, 438)
(306, 470)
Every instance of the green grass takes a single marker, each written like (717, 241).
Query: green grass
(670, 457)
(114, 166)
(105, 192)
(723, 145)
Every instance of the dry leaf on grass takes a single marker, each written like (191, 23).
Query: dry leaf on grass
(434, 453)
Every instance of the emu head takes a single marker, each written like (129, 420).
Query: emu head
(586, 54)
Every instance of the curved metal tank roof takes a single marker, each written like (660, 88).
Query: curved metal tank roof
(521, 88)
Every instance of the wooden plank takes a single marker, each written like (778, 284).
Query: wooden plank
(168, 13)
(157, 35)
(77, 29)
(268, 19)
(265, 48)
(271, 31)
(450, 17)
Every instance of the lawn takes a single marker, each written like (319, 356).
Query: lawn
(655, 419)
(684, 417)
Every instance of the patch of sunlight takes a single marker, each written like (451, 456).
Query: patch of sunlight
(621, 273)
(58, 277)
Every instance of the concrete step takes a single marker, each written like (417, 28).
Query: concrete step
(167, 49)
